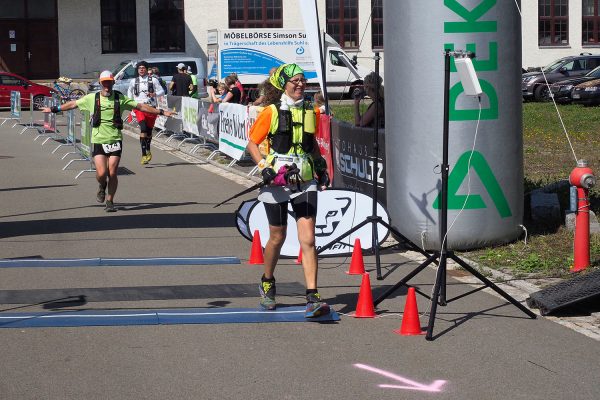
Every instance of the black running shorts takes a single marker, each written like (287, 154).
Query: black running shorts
(112, 149)
(304, 206)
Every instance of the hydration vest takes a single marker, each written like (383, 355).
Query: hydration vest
(117, 120)
(285, 140)
(136, 87)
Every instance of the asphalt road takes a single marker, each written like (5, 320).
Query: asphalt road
(484, 347)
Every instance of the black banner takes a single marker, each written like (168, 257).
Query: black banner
(353, 155)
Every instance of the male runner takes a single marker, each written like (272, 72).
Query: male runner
(144, 89)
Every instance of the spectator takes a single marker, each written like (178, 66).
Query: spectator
(240, 87)
(194, 90)
(367, 119)
(261, 91)
(181, 83)
(161, 81)
(234, 95)
(319, 102)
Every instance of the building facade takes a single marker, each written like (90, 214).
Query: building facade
(78, 38)
(82, 37)
(557, 28)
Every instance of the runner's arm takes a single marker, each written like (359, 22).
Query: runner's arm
(69, 105)
(151, 110)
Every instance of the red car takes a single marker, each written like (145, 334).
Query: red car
(10, 82)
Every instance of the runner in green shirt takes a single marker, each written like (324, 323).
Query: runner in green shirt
(107, 139)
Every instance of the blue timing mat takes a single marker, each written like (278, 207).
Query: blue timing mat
(114, 262)
(157, 317)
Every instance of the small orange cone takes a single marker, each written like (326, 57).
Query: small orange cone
(410, 320)
(299, 259)
(256, 254)
(357, 265)
(364, 306)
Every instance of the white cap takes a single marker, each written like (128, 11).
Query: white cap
(106, 76)
(189, 69)
(181, 66)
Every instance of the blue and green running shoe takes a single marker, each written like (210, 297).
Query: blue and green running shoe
(315, 307)
(267, 294)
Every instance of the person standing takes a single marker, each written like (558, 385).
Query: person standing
(156, 74)
(181, 83)
(233, 95)
(194, 89)
(371, 82)
(106, 107)
(291, 173)
(144, 89)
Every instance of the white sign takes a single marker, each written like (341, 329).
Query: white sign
(233, 136)
(338, 212)
(11, 34)
(189, 111)
(161, 119)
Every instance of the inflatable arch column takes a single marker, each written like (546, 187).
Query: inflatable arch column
(416, 33)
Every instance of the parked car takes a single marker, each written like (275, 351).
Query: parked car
(125, 71)
(534, 86)
(587, 93)
(561, 90)
(12, 82)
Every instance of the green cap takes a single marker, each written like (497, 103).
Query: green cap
(283, 74)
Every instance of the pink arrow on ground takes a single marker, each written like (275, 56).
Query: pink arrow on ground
(407, 383)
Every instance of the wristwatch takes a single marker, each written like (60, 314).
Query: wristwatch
(161, 112)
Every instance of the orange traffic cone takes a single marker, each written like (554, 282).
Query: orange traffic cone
(410, 320)
(357, 265)
(256, 254)
(364, 306)
(299, 259)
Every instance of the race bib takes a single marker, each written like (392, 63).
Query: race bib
(111, 148)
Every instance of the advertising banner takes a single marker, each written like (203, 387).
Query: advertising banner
(208, 123)
(70, 126)
(242, 51)
(161, 120)
(174, 124)
(324, 141)
(15, 104)
(86, 135)
(337, 213)
(189, 111)
(49, 118)
(233, 136)
(353, 154)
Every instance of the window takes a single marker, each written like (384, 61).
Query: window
(167, 26)
(377, 24)
(43, 9)
(118, 26)
(591, 22)
(553, 22)
(11, 81)
(255, 14)
(342, 22)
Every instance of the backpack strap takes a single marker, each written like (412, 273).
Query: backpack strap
(117, 120)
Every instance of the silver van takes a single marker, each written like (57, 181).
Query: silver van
(125, 71)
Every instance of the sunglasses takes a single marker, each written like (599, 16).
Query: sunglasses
(298, 81)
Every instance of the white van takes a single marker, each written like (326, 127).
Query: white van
(125, 71)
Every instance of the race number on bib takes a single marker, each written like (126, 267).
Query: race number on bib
(111, 148)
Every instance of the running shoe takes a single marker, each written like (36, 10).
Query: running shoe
(148, 156)
(110, 207)
(314, 306)
(101, 195)
(267, 294)
(144, 160)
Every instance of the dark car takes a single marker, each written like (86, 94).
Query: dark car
(533, 84)
(561, 90)
(12, 82)
(587, 93)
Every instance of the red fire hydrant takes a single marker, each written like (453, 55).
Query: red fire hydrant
(582, 177)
